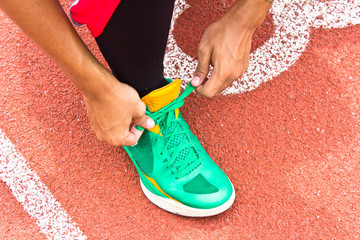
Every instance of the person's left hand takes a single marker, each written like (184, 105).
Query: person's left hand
(227, 51)
(226, 46)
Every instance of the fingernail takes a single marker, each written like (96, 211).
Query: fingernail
(195, 82)
(134, 144)
(150, 123)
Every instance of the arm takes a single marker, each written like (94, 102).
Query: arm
(112, 106)
(226, 46)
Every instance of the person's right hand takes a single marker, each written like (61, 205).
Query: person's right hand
(114, 114)
(113, 107)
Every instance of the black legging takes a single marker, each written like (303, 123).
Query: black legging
(134, 41)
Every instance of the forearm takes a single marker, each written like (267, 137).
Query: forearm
(45, 22)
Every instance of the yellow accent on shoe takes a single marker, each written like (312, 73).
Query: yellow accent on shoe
(163, 96)
(158, 188)
(155, 130)
(177, 113)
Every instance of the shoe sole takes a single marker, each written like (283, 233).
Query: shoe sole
(183, 210)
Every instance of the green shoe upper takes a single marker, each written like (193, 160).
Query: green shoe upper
(171, 161)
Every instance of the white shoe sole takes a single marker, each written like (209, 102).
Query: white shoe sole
(180, 209)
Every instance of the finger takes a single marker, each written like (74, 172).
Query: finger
(246, 56)
(141, 119)
(132, 137)
(212, 85)
(144, 122)
(202, 69)
(232, 78)
(225, 85)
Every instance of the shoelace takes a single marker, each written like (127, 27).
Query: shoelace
(167, 114)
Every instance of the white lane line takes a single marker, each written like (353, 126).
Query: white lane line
(35, 197)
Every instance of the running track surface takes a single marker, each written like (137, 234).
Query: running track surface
(288, 140)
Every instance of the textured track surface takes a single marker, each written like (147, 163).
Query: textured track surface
(290, 144)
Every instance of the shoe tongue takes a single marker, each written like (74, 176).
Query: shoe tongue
(161, 97)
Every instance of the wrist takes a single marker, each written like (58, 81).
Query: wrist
(91, 78)
(248, 14)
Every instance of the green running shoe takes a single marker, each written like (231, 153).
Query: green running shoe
(176, 173)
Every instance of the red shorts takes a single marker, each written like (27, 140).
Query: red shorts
(94, 13)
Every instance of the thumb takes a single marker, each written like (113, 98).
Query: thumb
(202, 68)
(144, 122)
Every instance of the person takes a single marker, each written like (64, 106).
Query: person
(175, 171)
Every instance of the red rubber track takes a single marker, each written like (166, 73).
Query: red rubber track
(291, 147)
